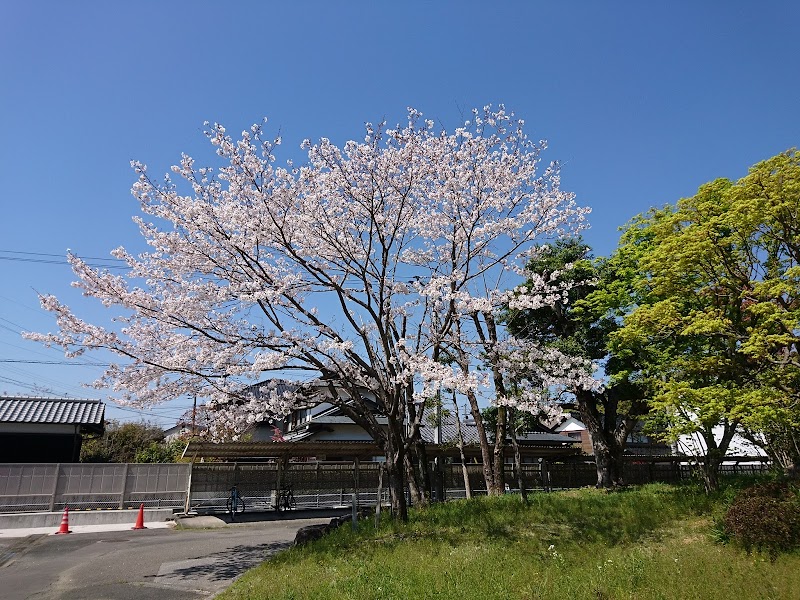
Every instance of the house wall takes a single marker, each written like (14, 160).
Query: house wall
(582, 436)
(342, 432)
(574, 429)
(39, 448)
(695, 446)
(263, 433)
(45, 428)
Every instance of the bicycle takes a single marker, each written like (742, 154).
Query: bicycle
(235, 503)
(285, 498)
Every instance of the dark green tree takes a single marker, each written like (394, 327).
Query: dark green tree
(580, 325)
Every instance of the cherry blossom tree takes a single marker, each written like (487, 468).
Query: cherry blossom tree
(351, 274)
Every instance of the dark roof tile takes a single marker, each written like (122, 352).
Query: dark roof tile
(51, 410)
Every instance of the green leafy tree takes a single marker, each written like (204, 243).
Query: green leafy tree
(121, 442)
(580, 325)
(717, 313)
(161, 452)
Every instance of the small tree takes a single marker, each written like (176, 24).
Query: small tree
(161, 452)
(121, 442)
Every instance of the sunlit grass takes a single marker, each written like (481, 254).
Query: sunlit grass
(651, 542)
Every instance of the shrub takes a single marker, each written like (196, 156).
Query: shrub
(766, 517)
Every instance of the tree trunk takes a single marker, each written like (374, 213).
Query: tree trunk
(391, 440)
(518, 464)
(412, 475)
(499, 482)
(486, 453)
(395, 471)
(490, 346)
(475, 410)
(609, 461)
(424, 469)
(710, 471)
(715, 453)
(460, 444)
(416, 461)
(608, 438)
(603, 460)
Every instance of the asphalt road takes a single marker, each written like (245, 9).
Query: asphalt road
(167, 564)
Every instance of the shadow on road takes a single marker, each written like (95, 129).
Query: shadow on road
(224, 565)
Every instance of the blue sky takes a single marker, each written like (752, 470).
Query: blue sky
(641, 101)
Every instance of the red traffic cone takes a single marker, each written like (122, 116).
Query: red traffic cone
(140, 519)
(64, 522)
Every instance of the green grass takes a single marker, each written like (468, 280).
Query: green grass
(650, 542)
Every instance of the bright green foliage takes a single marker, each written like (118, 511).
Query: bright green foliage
(717, 304)
(161, 452)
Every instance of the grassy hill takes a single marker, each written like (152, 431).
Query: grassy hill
(656, 541)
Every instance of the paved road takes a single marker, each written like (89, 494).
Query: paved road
(166, 564)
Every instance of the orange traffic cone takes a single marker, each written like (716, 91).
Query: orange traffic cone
(140, 519)
(64, 522)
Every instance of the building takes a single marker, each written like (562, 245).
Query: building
(321, 430)
(637, 443)
(47, 430)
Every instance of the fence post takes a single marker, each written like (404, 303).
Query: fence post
(55, 488)
(438, 477)
(124, 486)
(355, 494)
(545, 473)
(316, 481)
(278, 483)
(380, 493)
(187, 506)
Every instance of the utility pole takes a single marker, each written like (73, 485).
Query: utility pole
(194, 413)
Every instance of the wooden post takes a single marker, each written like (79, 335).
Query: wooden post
(317, 484)
(438, 484)
(380, 494)
(545, 474)
(355, 494)
(278, 482)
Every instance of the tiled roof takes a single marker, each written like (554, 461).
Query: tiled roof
(449, 434)
(263, 388)
(51, 410)
(469, 433)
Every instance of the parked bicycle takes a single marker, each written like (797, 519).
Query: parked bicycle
(285, 498)
(235, 503)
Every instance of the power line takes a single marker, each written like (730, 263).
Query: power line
(112, 259)
(60, 262)
(48, 258)
(54, 362)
